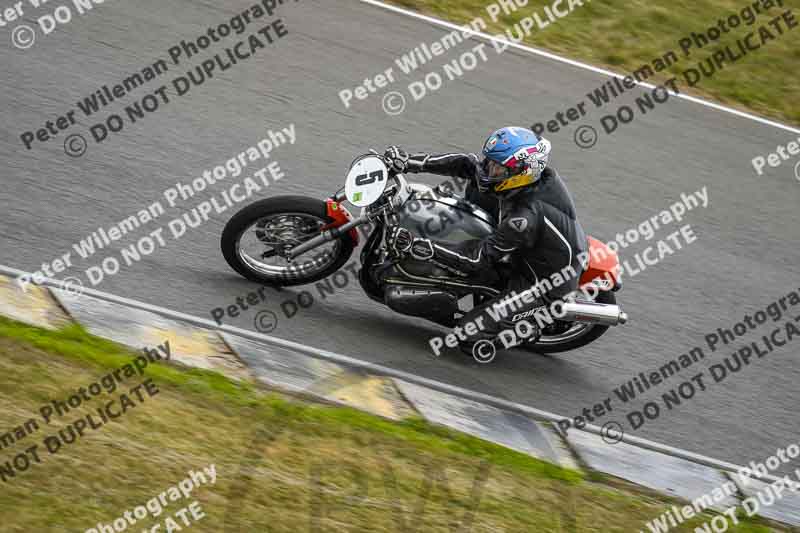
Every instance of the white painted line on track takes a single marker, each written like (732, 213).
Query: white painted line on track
(585, 66)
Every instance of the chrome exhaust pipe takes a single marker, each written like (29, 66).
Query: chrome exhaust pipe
(592, 313)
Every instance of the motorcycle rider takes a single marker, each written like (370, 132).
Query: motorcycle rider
(537, 227)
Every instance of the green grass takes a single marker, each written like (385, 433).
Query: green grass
(623, 35)
(282, 464)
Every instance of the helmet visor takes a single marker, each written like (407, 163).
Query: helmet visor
(494, 170)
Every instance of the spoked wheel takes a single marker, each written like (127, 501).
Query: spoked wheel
(256, 242)
(565, 336)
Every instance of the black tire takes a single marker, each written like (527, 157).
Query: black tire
(594, 333)
(275, 206)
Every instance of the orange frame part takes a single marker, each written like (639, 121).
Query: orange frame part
(603, 264)
(340, 216)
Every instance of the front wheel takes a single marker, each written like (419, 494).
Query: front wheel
(257, 239)
(564, 336)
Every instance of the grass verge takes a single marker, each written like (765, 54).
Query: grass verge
(624, 35)
(282, 465)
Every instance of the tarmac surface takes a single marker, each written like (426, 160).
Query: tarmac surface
(745, 256)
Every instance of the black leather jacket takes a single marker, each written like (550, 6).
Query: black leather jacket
(537, 224)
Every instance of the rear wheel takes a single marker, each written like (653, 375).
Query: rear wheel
(565, 336)
(256, 241)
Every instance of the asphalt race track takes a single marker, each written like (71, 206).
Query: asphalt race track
(746, 255)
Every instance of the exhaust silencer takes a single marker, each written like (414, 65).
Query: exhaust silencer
(593, 313)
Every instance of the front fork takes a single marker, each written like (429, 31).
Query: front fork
(343, 223)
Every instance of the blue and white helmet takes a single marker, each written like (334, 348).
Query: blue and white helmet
(523, 155)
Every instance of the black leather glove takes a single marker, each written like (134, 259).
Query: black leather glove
(402, 242)
(396, 159)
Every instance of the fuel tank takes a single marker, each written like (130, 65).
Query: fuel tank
(433, 215)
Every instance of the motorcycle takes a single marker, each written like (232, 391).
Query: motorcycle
(270, 240)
